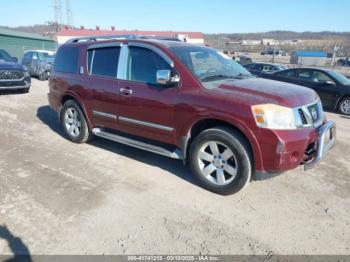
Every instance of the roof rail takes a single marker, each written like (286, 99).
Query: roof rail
(101, 38)
(121, 37)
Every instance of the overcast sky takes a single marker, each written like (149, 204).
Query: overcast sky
(208, 16)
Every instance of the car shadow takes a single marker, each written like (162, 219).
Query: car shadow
(11, 92)
(49, 117)
(19, 250)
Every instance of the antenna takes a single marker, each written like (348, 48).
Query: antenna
(58, 14)
(69, 14)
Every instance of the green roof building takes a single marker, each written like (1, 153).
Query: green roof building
(16, 43)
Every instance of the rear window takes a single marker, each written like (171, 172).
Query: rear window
(104, 61)
(66, 60)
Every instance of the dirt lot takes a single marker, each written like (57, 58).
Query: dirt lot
(104, 198)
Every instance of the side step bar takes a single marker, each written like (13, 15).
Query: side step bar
(138, 144)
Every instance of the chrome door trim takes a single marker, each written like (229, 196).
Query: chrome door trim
(103, 114)
(154, 49)
(148, 124)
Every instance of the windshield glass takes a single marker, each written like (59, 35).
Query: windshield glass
(340, 78)
(46, 56)
(207, 64)
(4, 56)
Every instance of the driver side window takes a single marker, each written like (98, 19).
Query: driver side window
(143, 65)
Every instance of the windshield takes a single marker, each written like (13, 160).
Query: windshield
(46, 57)
(207, 64)
(340, 78)
(4, 56)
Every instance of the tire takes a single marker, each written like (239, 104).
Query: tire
(74, 123)
(344, 106)
(43, 76)
(226, 171)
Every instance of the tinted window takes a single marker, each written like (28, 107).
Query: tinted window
(143, 65)
(320, 77)
(67, 60)
(104, 61)
(28, 55)
(4, 56)
(287, 73)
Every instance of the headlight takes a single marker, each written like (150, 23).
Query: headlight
(26, 73)
(274, 117)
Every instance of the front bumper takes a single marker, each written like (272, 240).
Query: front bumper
(325, 142)
(15, 84)
(283, 150)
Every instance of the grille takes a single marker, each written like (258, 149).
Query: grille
(311, 115)
(314, 112)
(11, 74)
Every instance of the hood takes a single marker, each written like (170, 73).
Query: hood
(252, 91)
(11, 66)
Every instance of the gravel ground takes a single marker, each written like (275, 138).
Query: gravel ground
(57, 197)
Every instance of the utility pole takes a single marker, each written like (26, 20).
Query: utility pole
(69, 13)
(335, 49)
(58, 15)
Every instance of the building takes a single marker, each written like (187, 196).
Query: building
(16, 43)
(68, 33)
(309, 58)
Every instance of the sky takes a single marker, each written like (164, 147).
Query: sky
(207, 16)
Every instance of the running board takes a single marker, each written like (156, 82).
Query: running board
(138, 144)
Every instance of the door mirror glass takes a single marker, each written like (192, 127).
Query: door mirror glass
(14, 59)
(164, 77)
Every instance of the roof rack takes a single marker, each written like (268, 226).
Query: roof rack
(121, 37)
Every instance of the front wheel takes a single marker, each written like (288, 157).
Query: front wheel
(220, 159)
(344, 106)
(74, 123)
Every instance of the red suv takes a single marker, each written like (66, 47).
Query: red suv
(188, 102)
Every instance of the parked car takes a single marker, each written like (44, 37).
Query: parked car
(278, 52)
(343, 62)
(39, 63)
(188, 102)
(259, 68)
(243, 59)
(13, 75)
(332, 87)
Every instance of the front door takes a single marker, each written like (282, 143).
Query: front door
(145, 107)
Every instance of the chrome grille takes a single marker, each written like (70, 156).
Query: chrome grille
(11, 74)
(310, 115)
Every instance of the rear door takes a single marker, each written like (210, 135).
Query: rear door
(146, 108)
(102, 62)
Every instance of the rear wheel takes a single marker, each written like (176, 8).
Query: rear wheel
(74, 123)
(220, 159)
(344, 106)
(43, 76)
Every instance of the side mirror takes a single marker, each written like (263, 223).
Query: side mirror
(164, 77)
(14, 59)
(330, 83)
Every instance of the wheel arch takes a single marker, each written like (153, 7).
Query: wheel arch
(340, 99)
(206, 123)
(70, 96)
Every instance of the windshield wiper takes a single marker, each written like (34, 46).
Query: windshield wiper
(215, 77)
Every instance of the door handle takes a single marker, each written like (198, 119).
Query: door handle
(125, 90)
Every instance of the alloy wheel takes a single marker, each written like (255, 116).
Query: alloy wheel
(217, 163)
(345, 106)
(72, 122)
